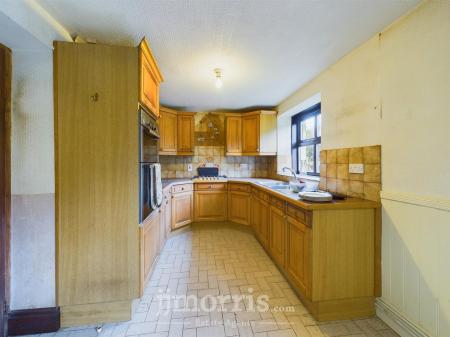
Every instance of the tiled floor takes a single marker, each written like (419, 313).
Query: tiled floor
(207, 265)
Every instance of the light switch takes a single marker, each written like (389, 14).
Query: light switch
(189, 167)
(356, 168)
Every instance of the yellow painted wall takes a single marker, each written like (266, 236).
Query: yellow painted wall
(394, 90)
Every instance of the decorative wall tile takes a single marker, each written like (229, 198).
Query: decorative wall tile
(372, 173)
(342, 171)
(355, 155)
(342, 156)
(372, 191)
(331, 170)
(372, 154)
(331, 184)
(331, 156)
(342, 186)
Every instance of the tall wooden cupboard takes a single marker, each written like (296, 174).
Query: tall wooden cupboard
(96, 158)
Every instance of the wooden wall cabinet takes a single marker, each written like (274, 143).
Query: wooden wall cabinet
(149, 79)
(176, 132)
(251, 133)
(185, 135)
(233, 135)
(168, 129)
(210, 202)
(182, 205)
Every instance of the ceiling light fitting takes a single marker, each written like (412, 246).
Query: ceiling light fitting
(218, 73)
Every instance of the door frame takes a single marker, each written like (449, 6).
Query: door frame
(5, 183)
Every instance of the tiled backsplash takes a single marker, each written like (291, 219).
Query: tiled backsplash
(334, 175)
(233, 167)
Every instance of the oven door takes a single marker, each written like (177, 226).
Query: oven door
(146, 193)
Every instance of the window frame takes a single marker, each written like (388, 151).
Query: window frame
(296, 141)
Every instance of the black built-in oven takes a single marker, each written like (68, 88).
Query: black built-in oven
(148, 156)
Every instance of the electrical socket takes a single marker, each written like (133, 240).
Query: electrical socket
(356, 168)
(189, 167)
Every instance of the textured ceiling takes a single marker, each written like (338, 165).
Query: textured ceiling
(267, 49)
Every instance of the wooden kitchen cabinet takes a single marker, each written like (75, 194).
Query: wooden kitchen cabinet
(97, 224)
(239, 207)
(150, 245)
(182, 205)
(185, 133)
(210, 202)
(233, 135)
(149, 79)
(277, 239)
(168, 129)
(252, 133)
(264, 225)
(167, 212)
(299, 254)
(255, 218)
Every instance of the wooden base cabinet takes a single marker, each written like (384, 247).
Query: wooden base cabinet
(277, 241)
(239, 207)
(210, 202)
(299, 254)
(150, 239)
(182, 205)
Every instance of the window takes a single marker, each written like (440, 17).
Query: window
(306, 139)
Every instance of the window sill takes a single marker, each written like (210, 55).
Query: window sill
(302, 176)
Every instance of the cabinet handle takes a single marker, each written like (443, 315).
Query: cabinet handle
(94, 97)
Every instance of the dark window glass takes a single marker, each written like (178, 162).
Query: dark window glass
(306, 139)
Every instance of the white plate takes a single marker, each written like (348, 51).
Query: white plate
(316, 196)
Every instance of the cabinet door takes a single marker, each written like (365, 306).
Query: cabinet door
(168, 214)
(150, 79)
(210, 206)
(162, 229)
(168, 132)
(239, 207)
(255, 215)
(185, 134)
(182, 209)
(298, 259)
(234, 135)
(149, 247)
(277, 235)
(250, 134)
(264, 228)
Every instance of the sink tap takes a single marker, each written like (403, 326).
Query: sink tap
(290, 170)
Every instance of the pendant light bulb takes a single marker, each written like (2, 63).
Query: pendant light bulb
(219, 82)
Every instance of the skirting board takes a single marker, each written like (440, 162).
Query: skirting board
(33, 321)
(397, 321)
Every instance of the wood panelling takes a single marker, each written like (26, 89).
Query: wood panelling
(168, 131)
(239, 207)
(83, 314)
(233, 135)
(343, 254)
(96, 147)
(150, 79)
(210, 205)
(185, 137)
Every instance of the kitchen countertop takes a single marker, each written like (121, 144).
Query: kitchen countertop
(349, 203)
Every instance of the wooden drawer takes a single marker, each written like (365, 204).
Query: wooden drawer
(239, 187)
(296, 213)
(280, 204)
(181, 188)
(210, 186)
